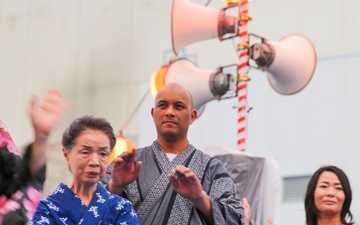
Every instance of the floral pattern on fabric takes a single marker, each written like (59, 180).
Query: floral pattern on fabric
(5, 139)
(19, 192)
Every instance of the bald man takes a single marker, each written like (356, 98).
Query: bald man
(170, 181)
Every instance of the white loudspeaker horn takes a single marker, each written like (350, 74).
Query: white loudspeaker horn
(290, 63)
(204, 85)
(191, 22)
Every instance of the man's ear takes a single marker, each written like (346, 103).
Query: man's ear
(152, 113)
(193, 116)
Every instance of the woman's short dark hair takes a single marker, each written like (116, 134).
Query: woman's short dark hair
(87, 122)
(310, 208)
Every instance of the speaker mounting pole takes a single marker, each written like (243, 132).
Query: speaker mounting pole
(243, 69)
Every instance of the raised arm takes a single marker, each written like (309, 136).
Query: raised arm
(44, 115)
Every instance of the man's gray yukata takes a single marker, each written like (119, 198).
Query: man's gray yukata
(158, 204)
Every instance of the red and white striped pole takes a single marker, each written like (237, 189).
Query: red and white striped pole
(243, 69)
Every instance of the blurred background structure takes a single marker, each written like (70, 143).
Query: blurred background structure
(101, 55)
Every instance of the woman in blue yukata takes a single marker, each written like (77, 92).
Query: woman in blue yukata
(87, 143)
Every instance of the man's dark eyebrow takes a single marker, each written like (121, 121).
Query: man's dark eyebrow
(161, 101)
(182, 102)
(176, 102)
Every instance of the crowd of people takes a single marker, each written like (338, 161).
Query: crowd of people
(168, 182)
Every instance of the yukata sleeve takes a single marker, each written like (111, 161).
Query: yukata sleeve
(24, 175)
(226, 205)
(29, 187)
(127, 214)
(24, 178)
(42, 215)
